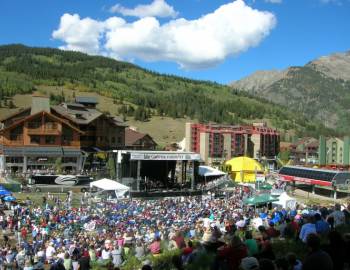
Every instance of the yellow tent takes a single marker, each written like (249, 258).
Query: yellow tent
(243, 169)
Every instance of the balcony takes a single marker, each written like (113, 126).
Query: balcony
(44, 130)
(34, 131)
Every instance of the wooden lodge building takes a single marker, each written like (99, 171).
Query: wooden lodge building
(135, 140)
(38, 136)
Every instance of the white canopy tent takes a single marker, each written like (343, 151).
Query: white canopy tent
(108, 184)
(286, 201)
(207, 171)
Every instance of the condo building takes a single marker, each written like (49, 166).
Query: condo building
(216, 143)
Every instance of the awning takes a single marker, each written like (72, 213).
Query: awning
(209, 171)
(108, 184)
(42, 151)
(260, 199)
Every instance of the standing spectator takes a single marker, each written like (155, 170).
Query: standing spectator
(307, 228)
(84, 262)
(271, 231)
(338, 216)
(233, 253)
(346, 212)
(336, 249)
(322, 227)
(251, 244)
(139, 250)
(117, 253)
(316, 258)
(67, 261)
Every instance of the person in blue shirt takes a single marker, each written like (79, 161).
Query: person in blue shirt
(322, 227)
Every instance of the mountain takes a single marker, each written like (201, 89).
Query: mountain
(320, 89)
(133, 92)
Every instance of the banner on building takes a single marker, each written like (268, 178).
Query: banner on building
(164, 156)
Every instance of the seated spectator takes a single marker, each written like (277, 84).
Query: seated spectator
(155, 248)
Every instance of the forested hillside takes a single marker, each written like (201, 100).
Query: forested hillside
(144, 93)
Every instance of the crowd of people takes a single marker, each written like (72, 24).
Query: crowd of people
(55, 235)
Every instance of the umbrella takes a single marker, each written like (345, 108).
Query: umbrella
(260, 199)
(4, 192)
(264, 186)
(9, 199)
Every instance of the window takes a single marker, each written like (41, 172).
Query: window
(14, 159)
(36, 123)
(113, 139)
(50, 139)
(67, 135)
(119, 139)
(69, 160)
(16, 133)
(35, 139)
(50, 125)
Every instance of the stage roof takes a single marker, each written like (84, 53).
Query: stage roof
(160, 155)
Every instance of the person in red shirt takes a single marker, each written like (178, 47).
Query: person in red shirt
(233, 253)
(180, 240)
(24, 232)
(188, 249)
(155, 248)
(271, 231)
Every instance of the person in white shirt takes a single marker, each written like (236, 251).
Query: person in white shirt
(306, 229)
(106, 254)
(50, 251)
(257, 222)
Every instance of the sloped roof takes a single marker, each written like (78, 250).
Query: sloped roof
(118, 121)
(132, 136)
(45, 113)
(85, 99)
(86, 115)
(15, 113)
(108, 184)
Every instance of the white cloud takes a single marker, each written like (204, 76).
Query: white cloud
(274, 1)
(158, 8)
(193, 44)
(79, 34)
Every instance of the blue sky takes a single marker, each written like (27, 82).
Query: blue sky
(202, 39)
